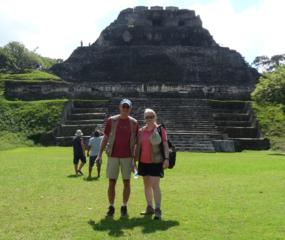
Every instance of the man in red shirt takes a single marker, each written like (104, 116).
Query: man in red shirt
(120, 137)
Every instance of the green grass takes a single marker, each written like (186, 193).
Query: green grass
(35, 75)
(207, 196)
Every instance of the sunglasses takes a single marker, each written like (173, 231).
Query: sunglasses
(126, 106)
(149, 117)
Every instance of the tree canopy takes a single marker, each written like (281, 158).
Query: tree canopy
(16, 58)
(271, 87)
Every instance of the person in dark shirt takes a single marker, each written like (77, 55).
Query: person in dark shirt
(78, 152)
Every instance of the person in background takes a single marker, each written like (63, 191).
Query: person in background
(120, 137)
(92, 152)
(78, 152)
(152, 153)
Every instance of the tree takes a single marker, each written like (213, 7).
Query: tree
(20, 56)
(271, 87)
(6, 62)
(266, 64)
(16, 58)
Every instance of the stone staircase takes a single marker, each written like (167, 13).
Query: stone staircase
(189, 122)
(192, 124)
(236, 120)
(84, 115)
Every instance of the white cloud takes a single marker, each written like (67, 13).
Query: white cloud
(254, 31)
(58, 26)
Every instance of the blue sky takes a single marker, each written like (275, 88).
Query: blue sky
(56, 27)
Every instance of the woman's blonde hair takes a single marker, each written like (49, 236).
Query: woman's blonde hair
(149, 110)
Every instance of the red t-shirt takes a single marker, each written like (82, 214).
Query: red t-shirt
(121, 147)
(146, 148)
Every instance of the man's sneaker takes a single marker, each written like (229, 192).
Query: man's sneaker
(157, 214)
(124, 211)
(148, 211)
(110, 212)
(79, 173)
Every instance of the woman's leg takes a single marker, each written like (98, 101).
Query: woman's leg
(148, 190)
(155, 183)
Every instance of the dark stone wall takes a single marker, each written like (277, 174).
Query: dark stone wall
(155, 45)
(48, 90)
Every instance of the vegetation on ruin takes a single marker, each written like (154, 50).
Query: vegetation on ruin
(269, 97)
(26, 121)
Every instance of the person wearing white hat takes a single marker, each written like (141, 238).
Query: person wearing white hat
(78, 152)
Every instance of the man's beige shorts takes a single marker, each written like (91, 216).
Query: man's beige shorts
(115, 164)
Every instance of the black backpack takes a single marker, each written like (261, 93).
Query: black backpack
(172, 150)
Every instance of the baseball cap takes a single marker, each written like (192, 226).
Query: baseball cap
(126, 101)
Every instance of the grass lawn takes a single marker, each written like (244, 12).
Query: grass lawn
(207, 196)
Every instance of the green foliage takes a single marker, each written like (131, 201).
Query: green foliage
(271, 119)
(12, 140)
(236, 196)
(15, 58)
(30, 118)
(269, 97)
(271, 88)
(33, 75)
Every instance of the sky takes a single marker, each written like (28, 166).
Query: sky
(56, 27)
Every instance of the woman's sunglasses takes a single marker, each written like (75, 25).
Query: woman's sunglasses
(149, 117)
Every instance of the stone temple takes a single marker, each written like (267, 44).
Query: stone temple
(164, 59)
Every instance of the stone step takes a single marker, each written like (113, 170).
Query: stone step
(194, 149)
(84, 122)
(90, 104)
(86, 116)
(231, 117)
(233, 123)
(88, 110)
(240, 132)
(251, 143)
(194, 135)
(227, 104)
(69, 130)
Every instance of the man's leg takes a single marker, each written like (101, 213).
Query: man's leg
(112, 191)
(126, 191)
(111, 197)
(126, 169)
(112, 174)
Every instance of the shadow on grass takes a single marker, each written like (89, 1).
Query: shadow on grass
(277, 154)
(91, 179)
(73, 176)
(116, 227)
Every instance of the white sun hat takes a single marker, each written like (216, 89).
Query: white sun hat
(79, 133)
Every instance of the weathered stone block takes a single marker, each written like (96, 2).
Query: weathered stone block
(224, 145)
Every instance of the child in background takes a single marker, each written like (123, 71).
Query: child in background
(92, 151)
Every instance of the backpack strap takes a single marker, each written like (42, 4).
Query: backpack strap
(161, 146)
